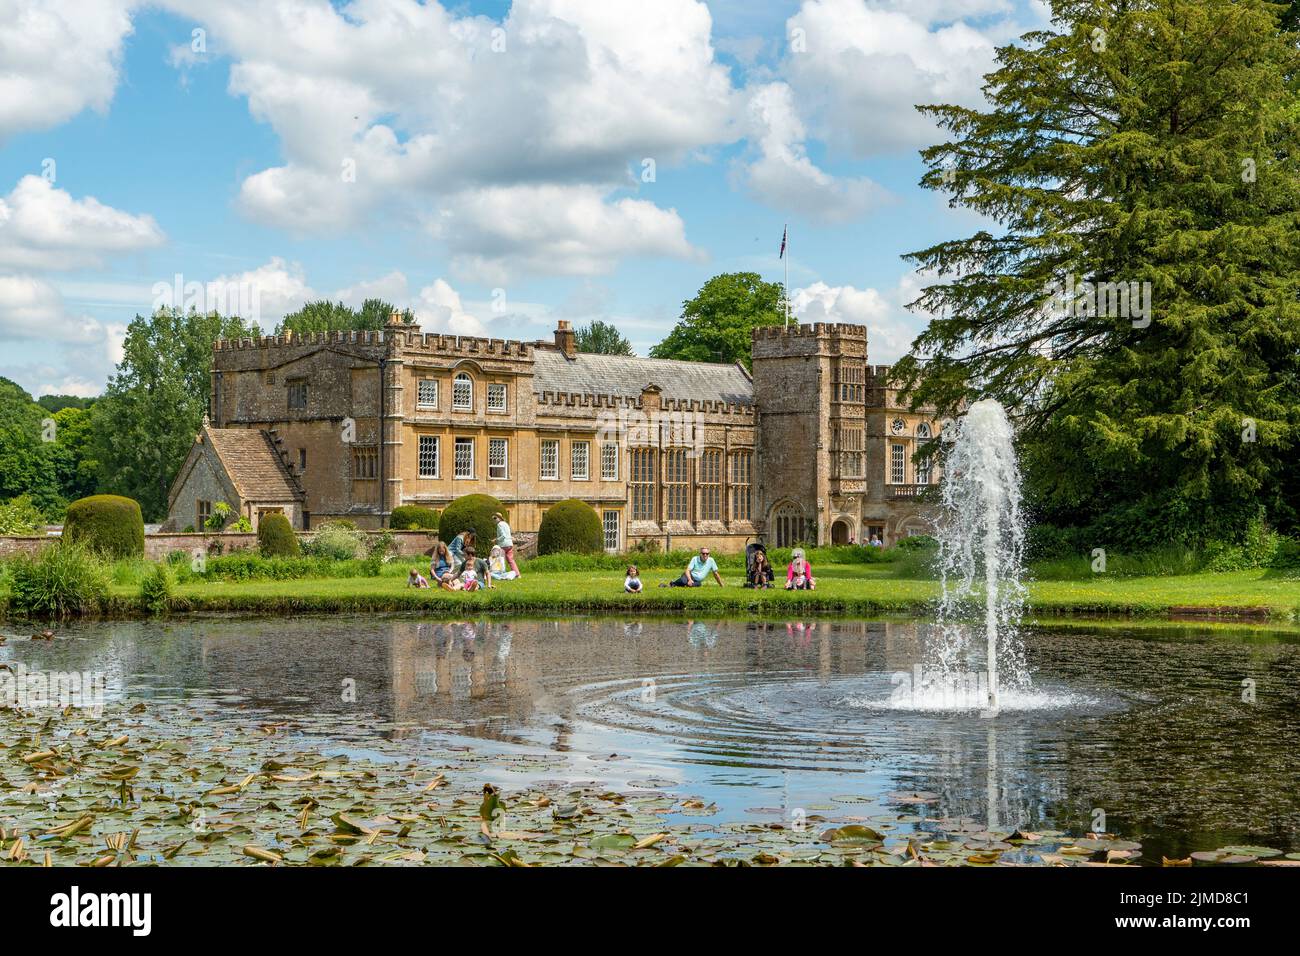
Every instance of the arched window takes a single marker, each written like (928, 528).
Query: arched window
(924, 463)
(462, 393)
(923, 430)
(789, 525)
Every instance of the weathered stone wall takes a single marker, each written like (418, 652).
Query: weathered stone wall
(157, 546)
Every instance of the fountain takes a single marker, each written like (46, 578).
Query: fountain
(981, 559)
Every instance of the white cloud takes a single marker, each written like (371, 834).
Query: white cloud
(439, 309)
(404, 107)
(554, 230)
(264, 294)
(42, 227)
(864, 67)
(29, 307)
(785, 178)
(59, 57)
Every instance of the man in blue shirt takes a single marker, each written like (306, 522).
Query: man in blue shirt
(699, 568)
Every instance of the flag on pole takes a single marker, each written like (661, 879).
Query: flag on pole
(783, 232)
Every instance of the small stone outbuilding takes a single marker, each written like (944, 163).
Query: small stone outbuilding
(243, 467)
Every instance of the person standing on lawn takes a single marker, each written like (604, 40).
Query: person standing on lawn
(506, 541)
(699, 568)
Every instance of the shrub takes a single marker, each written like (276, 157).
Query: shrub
(241, 524)
(108, 523)
(275, 537)
(220, 515)
(156, 589)
(414, 518)
(67, 578)
(247, 566)
(335, 540)
(471, 513)
(20, 516)
(570, 527)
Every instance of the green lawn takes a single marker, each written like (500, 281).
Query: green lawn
(854, 588)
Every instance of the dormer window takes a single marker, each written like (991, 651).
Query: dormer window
(462, 393)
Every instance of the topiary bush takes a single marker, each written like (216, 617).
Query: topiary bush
(275, 537)
(413, 518)
(571, 527)
(108, 523)
(59, 580)
(471, 513)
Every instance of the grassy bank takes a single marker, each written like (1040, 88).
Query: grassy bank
(856, 589)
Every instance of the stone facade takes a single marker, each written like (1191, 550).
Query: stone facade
(679, 453)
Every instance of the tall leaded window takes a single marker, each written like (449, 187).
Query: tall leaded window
(740, 486)
(641, 480)
(498, 458)
(710, 472)
(297, 393)
(924, 463)
(462, 393)
(496, 398)
(428, 456)
(897, 464)
(609, 461)
(426, 393)
(788, 522)
(580, 460)
(677, 485)
(550, 459)
(464, 458)
(609, 524)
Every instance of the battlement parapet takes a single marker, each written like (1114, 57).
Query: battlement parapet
(843, 330)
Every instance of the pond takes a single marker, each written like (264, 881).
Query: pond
(1182, 739)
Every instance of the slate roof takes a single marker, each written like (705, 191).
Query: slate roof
(251, 461)
(627, 375)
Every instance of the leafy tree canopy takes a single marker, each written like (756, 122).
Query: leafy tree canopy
(1145, 150)
(602, 339)
(717, 325)
(325, 316)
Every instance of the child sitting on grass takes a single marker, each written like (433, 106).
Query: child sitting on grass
(416, 580)
(632, 583)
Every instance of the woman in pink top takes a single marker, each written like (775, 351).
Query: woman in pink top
(799, 576)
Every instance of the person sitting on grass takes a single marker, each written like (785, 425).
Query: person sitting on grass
(440, 567)
(632, 583)
(760, 571)
(459, 545)
(475, 574)
(799, 576)
(497, 562)
(416, 580)
(699, 568)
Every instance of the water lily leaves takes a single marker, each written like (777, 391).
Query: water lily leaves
(1261, 852)
(613, 841)
(1221, 858)
(854, 833)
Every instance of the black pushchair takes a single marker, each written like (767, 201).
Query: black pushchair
(752, 550)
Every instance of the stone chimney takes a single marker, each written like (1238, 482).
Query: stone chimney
(564, 339)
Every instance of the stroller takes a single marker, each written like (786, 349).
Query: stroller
(752, 550)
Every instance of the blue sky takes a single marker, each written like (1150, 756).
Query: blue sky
(481, 163)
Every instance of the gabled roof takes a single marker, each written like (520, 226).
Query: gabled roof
(627, 375)
(254, 466)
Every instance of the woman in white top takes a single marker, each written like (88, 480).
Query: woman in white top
(506, 541)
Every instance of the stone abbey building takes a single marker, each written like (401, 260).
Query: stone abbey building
(811, 448)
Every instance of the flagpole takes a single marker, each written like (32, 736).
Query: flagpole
(785, 243)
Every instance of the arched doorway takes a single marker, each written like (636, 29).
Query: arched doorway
(788, 524)
(840, 532)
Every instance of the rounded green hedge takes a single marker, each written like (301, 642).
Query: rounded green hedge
(275, 537)
(471, 513)
(571, 527)
(413, 518)
(108, 523)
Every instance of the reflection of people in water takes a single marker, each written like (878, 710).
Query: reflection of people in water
(800, 634)
(632, 629)
(702, 633)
